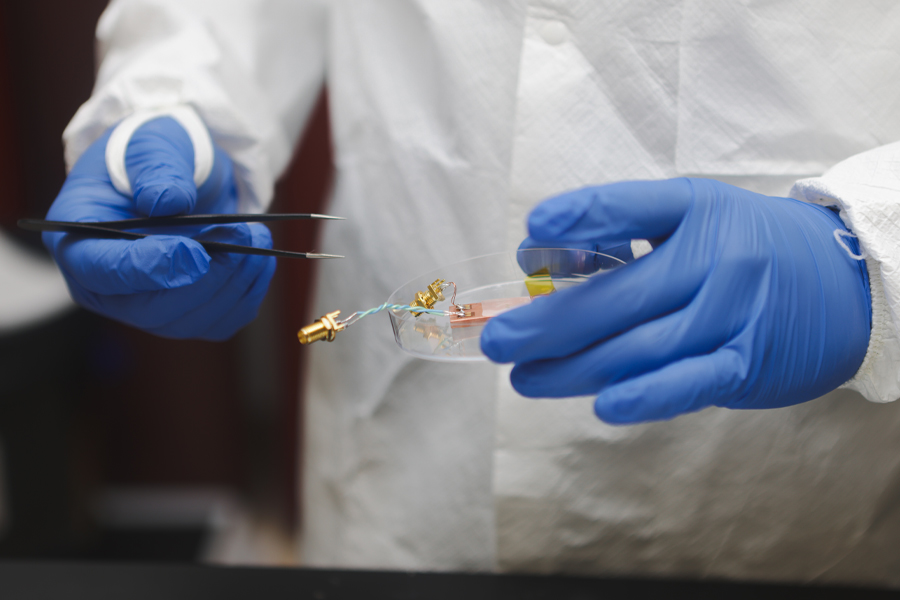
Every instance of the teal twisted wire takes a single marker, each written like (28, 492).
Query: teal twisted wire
(386, 306)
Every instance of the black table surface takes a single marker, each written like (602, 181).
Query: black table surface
(134, 581)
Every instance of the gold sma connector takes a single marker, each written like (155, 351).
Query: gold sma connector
(326, 328)
(323, 329)
(431, 296)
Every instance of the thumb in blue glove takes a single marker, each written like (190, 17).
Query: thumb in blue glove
(155, 282)
(749, 302)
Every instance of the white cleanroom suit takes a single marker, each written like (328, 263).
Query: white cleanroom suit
(451, 119)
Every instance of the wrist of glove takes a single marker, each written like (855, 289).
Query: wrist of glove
(165, 284)
(748, 301)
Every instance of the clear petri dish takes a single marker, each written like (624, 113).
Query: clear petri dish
(493, 280)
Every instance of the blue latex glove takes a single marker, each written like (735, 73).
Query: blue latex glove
(165, 284)
(749, 302)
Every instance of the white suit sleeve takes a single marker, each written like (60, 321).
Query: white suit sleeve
(252, 70)
(866, 189)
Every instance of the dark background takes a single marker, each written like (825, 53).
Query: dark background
(87, 404)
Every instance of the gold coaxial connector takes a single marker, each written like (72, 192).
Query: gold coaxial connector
(323, 329)
(427, 299)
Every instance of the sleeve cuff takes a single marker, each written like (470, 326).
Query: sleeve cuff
(866, 189)
(876, 378)
(186, 116)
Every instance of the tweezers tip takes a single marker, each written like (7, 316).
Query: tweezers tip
(315, 255)
(327, 217)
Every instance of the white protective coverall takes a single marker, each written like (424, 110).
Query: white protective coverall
(451, 119)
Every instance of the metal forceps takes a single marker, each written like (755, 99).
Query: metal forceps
(120, 229)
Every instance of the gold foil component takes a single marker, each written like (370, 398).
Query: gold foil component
(539, 283)
(323, 329)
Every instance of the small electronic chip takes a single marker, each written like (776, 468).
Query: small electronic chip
(479, 313)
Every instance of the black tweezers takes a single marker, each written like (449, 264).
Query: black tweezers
(117, 230)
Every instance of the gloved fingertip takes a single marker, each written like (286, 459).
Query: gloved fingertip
(617, 409)
(268, 270)
(190, 259)
(238, 234)
(492, 343)
(260, 236)
(188, 262)
(162, 200)
(523, 382)
(553, 217)
(50, 239)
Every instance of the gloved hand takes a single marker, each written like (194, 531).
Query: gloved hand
(749, 302)
(164, 284)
